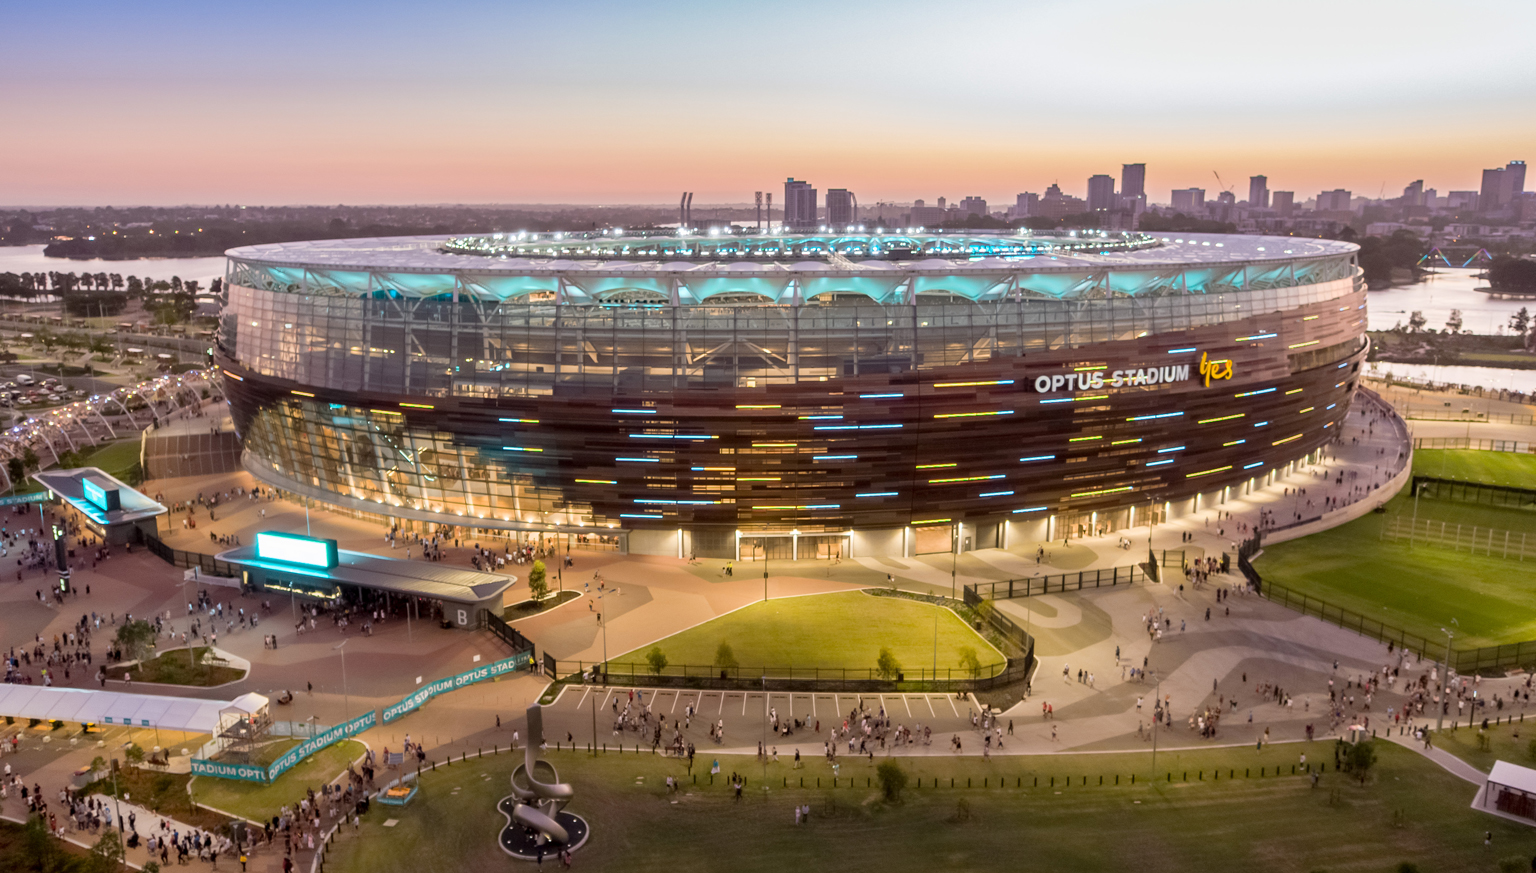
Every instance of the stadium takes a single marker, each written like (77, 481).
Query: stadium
(787, 395)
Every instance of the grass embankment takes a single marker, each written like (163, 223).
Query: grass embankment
(1411, 810)
(845, 630)
(530, 608)
(1510, 469)
(176, 668)
(165, 793)
(1420, 588)
(257, 801)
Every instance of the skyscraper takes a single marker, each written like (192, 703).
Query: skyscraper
(1283, 202)
(1488, 198)
(1337, 200)
(1258, 192)
(842, 208)
(973, 205)
(1516, 172)
(1188, 200)
(1133, 180)
(1101, 193)
(1413, 194)
(799, 204)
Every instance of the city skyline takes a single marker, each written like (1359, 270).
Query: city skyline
(170, 103)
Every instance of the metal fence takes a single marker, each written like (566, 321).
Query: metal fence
(1475, 445)
(1472, 492)
(1063, 582)
(176, 557)
(790, 678)
(505, 632)
(1492, 542)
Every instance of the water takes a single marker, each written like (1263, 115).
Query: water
(30, 259)
(1486, 377)
(1447, 289)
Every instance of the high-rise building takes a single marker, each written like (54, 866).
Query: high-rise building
(1258, 192)
(1226, 198)
(1101, 193)
(1283, 202)
(1502, 186)
(1461, 200)
(1133, 180)
(1188, 200)
(842, 207)
(1489, 197)
(799, 204)
(1413, 195)
(1516, 172)
(1025, 205)
(1337, 200)
(973, 205)
(1054, 204)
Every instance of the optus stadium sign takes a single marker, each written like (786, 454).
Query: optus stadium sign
(427, 692)
(1094, 378)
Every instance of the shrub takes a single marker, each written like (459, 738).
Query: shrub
(538, 581)
(886, 664)
(969, 662)
(1362, 756)
(136, 638)
(893, 780)
(726, 657)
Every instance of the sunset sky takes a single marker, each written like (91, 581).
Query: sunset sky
(594, 102)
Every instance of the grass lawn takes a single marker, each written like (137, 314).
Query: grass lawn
(165, 793)
(527, 608)
(255, 801)
(1411, 810)
(1420, 589)
(176, 668)
(1504, 742)
(1513, 469)
(118, 459)
(827, 631)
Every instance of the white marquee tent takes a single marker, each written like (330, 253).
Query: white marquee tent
(87, 706)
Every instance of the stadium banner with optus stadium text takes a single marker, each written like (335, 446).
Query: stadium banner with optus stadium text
(427, 692)
(253, 773)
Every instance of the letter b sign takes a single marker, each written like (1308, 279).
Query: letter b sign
(463, 616)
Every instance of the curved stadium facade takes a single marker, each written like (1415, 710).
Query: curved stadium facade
(799, 394)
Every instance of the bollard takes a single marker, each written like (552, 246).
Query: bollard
(1101, 779)
(1117, 778)
(1186, 776)
(967, 782)
(1247, 772)
(1200, 776)
(1133, 778)
(1170, 777)
(1053, 781)
(984, 781)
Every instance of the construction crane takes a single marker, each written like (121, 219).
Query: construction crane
(1224, 186)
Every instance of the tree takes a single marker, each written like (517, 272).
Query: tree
(657, 659)
(886, 665)
(1416, 321)
(1520, 322)
(893, 780)
(107, 855)
(538, 581)
(1512, 274)
(69, 460)
(1362, 756)
(969, 662)
(29, 458)
(136, 638)
(1453, 324)
(16, 470)
(724, 656)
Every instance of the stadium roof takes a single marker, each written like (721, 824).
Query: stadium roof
(407, 578)
(70, 485)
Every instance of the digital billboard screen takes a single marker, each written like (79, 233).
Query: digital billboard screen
(294, 549)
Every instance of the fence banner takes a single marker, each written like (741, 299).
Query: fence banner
(254, 773)
(38, 497)
(315, 744)
(427, 692)
(245, 772)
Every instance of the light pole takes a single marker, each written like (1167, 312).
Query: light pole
(117, 802)
(1445, 682)
(346, 702)
(765, 568)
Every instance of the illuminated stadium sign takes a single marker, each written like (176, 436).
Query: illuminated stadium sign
(294, 549)
(101, 493)
(1090, 379)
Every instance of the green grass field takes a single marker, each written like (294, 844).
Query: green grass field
(177, 668)
(1411, 810)
(828, 631)
(257, 801)
(1512, 469)
(1420, 589)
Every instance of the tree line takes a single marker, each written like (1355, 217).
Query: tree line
(106, 294)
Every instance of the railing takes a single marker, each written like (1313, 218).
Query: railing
(1058, 584)
(1245, 552)
(1492, 542)
(1470, 415)
(1475, 445)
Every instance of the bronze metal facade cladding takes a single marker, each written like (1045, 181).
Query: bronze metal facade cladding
(1010, 414)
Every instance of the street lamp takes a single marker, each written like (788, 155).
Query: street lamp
(346, 703)
(1445, 682)
(765, 567)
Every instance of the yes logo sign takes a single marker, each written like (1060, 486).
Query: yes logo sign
(1214, 369)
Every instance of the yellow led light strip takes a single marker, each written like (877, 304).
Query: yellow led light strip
(1087, 369)
(1083, 439)
(1286, 440)
(933, 466)
(972, 414)
(930, 521)
(1103, 491)
(418, 405)
(972, 384)
(597, 481)
(1222, 418)
(962, 479)
(1125, 442)
(1303, 345)
(386, 412)
(1293, 391)
(1307, 410)
(1207, 472)
(303, 394)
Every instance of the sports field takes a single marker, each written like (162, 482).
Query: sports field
(1511, 469)
(1411, 810)
(845, 630)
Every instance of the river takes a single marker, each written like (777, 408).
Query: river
(1448, 288)
(30, 259)
(1487, 377)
